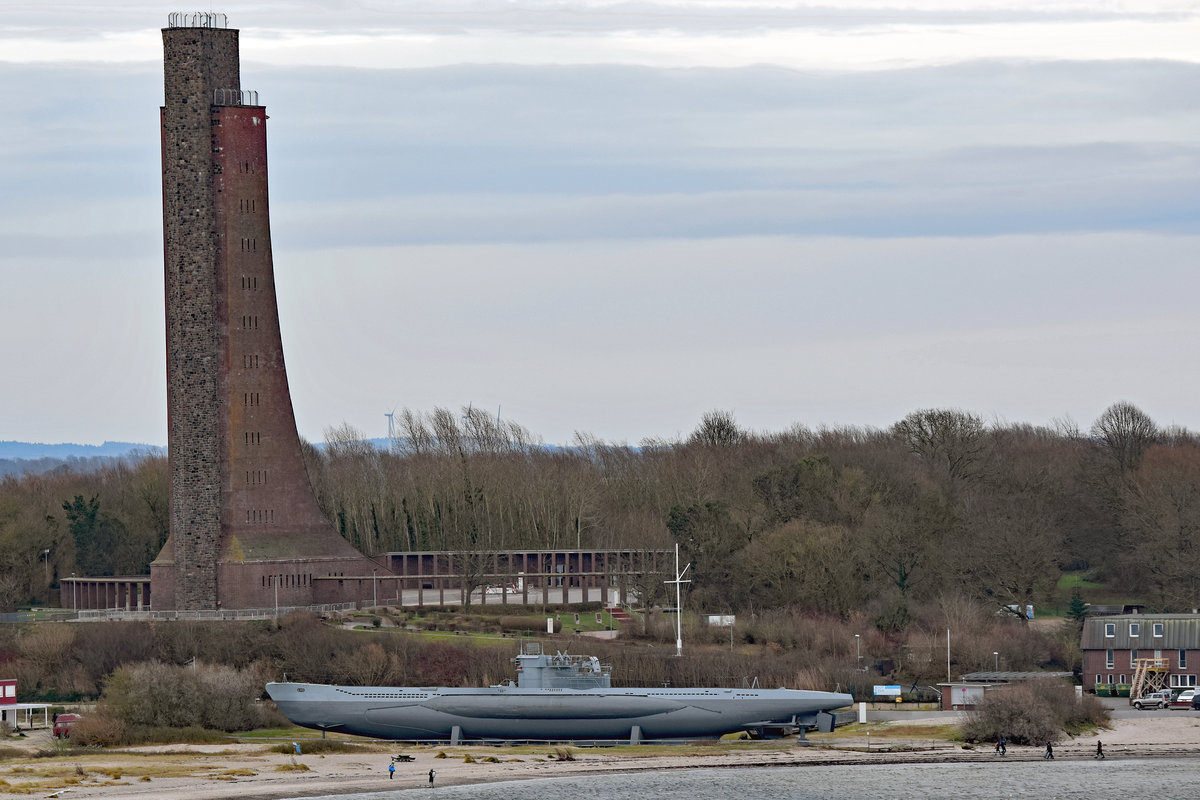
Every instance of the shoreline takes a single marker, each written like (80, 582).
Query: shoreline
(251, 772)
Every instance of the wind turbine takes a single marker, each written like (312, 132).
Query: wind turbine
(391, 434)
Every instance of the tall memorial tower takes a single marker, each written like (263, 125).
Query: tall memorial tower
(245, 527)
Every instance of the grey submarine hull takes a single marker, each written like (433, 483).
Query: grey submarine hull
(540, 714)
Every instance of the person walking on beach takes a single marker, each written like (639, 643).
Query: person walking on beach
(1049, 751)
(391, 771)
(1003, 746)
(431, 774)
(1099, 749)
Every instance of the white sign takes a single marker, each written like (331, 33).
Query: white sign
(889, 691)
(723, 621)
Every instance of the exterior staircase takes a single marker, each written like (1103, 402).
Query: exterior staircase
(618, 613)
(1149, 675)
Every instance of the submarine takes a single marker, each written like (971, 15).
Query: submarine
(557, 697)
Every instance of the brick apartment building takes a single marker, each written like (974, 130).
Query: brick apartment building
(1112, 646)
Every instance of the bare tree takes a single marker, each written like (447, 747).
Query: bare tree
(717, 429)
(1124, 432)
(950, 439)
(1162, 526)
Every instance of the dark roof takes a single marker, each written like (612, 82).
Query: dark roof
(1128, 608)
(1180, 632)
(1009, 677)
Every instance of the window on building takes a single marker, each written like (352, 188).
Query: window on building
(1098, 677)
(1135, 629)
(1108, 658)
(1158, 630)
(1120, 679)
(1181, 681)
(1110, 630)
(1133, 656)
(1182, 659)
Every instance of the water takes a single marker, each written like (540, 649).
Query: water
(1057, 780)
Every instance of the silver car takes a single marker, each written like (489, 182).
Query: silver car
(1154, 700)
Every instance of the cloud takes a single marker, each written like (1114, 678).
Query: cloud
(617, 247)
(633, 339)
(523, 154)
(841, 34)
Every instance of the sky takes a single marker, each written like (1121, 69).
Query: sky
(610, 217)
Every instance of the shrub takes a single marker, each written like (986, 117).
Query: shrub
(317, 746)
(511, 623)
(144, 734)
(1032, 713)
(153, 694)
(97, 729)
(100, 729)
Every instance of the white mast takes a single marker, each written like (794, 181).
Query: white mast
(678, 603)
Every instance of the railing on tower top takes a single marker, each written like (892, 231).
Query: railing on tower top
(235, 97)
(197, 19)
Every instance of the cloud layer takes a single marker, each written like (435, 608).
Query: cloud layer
(637, 213)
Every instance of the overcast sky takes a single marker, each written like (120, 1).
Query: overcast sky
(611, 217)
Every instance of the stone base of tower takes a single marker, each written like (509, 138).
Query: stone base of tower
(276, 582)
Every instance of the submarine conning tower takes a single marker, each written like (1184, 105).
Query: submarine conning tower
(540, 670)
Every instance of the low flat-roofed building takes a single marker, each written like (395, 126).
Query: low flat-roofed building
(21, 715)
(971, 688)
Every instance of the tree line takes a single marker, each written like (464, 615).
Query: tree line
(65, 662)
(837, 521)
(829, 520)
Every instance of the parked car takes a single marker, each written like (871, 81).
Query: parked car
(63, 723)
(1154, 700)
(1196, 702)
(1184, 700)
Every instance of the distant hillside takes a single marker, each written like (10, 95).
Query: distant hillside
(68, 450)
(21, 458)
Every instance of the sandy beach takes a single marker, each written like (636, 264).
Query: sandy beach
(253, 771)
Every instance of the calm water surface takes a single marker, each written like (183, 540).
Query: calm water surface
(1085, 780)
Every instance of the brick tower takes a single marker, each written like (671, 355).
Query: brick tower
(246, 530)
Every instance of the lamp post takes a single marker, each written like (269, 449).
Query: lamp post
(46, 558)
(997, 657)
(858, 644)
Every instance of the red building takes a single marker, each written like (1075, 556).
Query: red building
(1113, 645)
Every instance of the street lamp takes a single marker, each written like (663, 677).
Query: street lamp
(858, 644)
(46, 558)
(997, 656)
